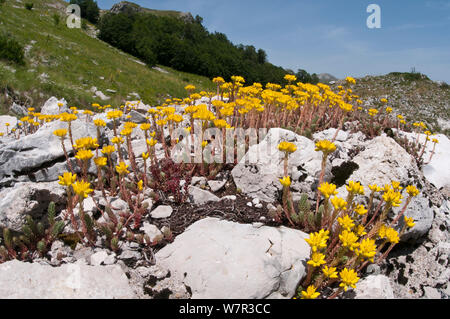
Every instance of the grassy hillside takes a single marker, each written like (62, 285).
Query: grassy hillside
(413, 95)
(68, 62)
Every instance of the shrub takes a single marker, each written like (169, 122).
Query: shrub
(56, 19)
(89, 10)
(29, 6)
(11, 49)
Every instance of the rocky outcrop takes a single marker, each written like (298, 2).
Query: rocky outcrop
(40, 150)
(28, 199)
(71, 281)
(258, 172)
(51, 106)
(221, 259)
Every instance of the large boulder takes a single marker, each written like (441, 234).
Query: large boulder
(374, 287)
(383, 161)
(28, 199)
(41, 149)
(222, 259)
(436, 171)
(4, 119)
(257, 174)
(51, 106)
(70, 281)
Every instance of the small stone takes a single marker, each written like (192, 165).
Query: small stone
(249, 204)
(98, 258)
(259, 205)
(255, 201)
(229, 197)
(198, 181)
(129, 254)
(216, 185)
(148, 202)
(162, 211)
(110, 260)
(151, 231)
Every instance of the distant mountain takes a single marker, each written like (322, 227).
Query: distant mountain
(129, 7)
(412, 95)
(326, 78)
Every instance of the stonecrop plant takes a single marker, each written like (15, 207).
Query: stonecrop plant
(345, 235)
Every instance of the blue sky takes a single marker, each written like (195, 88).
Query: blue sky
(329, 36)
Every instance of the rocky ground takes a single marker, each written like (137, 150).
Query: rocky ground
(223, 242)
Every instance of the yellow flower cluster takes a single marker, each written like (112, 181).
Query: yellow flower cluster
(287, 147)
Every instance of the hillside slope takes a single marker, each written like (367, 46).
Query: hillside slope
(69, 63)
(412, 95)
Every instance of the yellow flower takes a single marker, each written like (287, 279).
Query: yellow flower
(412, 190)
(218, 80)
(100, 161)
(108, 149)
(310, 293)
(392, 197)
(409, 221)
(346, 222)
(126, 131)
(349, 278)
(204, 143)
(145, 126)
(384, 101)
(67, 117)
(435, 140)
(82, 189)
(325, 146)
(237, 78)
(330, 272)
(328, 189)
(114, 114)
(374, 188)
(145, 156)
(287, 147)
(338, 203)
(86, 143)
(388, 109)
(367, 249)
(290, 78)
(67, 179)
(84, 155)
(360, 210)
(318, 240)
(350, 80)
(317, 259)
(189, 87)
(360, 230)
(151, 142)
(117, 140)
(348, 239)
(140, 185)
(99, 122)
(355, 188)
(285, 181)
(382, 231)
(396, 186)
(392, 235)
(60, 133)
(122, 168)
(373, 112)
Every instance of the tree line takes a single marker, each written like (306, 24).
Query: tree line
(185, 45)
